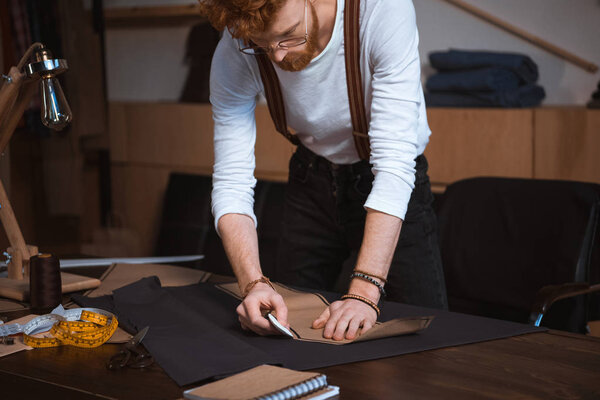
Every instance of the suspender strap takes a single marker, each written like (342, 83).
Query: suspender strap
(353, 79)
(274, 97)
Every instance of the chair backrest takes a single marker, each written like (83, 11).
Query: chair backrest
(503, 239)
(186, 218)
(187, 225)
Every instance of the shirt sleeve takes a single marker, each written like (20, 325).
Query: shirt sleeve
(233, 91)
(392, 39)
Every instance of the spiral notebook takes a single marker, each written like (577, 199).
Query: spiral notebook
(266, 382)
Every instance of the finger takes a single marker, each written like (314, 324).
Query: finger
(248, 326)
(331, 325)
(256, 321)
(322, 319)
(281, 311)
(366, 326)
(241, 311)
(243, 325)
(341, 327)
(353, 328)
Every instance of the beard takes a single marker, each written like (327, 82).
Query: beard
(297, 61)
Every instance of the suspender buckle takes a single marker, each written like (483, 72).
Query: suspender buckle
(291, 136)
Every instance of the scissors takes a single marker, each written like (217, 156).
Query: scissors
(132, 354)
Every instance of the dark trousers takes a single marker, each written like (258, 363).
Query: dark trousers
(323, 228)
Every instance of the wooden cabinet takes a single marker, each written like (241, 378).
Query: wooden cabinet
(567, 144)
(479, 142)
(150, 140)
(544, 143)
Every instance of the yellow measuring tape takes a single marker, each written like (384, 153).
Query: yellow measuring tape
(80, 327)
(91, 331)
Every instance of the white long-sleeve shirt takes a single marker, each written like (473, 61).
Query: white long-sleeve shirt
(316, 106)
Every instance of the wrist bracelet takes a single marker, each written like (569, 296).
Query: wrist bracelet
(368, 302)
(381, 278)
(250, 286)
(368, 278)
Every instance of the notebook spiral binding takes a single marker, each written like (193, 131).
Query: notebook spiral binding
(299, 390)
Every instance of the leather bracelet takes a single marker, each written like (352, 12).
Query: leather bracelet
(381, 278)
(368, 278)
(250, 286)
(368, 302)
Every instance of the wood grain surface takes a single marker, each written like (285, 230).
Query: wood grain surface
(551, 365)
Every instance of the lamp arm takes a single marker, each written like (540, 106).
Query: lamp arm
(9, 123)
(15, 237)
(9, 92)
(28, 53)
(23, 91)
(15, 95)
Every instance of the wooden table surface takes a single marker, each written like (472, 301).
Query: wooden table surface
(550, 365)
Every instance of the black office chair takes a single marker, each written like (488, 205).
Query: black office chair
(186, 220)
(513, 247)
(187, 225)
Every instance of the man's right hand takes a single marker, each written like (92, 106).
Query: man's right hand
(261, 299)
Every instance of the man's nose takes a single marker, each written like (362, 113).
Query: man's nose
(278, 54)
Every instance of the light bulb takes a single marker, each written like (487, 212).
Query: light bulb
(55, 112)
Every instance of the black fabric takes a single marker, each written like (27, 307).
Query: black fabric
(451, 60)
(323, 227)
(525, 96)
(483, 79)
(184, 340)
(504, 239)
(194, 333)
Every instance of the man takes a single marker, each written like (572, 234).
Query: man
(337, 206)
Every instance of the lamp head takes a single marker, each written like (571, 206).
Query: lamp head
(55, 112)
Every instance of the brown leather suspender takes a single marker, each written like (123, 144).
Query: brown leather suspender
(274, 97)
(353, 79)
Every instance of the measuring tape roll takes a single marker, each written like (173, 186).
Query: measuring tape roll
(80, 327)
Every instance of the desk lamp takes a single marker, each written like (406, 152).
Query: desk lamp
(15, 94)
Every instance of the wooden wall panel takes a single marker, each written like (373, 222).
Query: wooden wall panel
(137, 201)
(181, 135)
(117, 132)
(567, 144)
(272, 150)
(170, 134)
(150, 140)
(479, 142)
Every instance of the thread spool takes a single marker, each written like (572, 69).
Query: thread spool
(45, 286)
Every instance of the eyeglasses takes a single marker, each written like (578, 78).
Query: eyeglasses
(284, 44)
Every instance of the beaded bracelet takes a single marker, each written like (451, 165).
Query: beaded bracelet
(381, 278)
(368, 302)
(250, 286)
(368, 278)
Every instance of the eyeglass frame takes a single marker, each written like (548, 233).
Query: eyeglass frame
(263, 50)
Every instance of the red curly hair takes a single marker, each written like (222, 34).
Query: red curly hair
(242, 17)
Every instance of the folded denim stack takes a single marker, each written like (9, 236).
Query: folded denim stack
(595, 101)
(482, 79)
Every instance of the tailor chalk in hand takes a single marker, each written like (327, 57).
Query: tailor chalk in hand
(278, 325)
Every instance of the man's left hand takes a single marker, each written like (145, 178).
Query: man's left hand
(344, 319)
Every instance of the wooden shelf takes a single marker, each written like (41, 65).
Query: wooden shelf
(141, 17)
